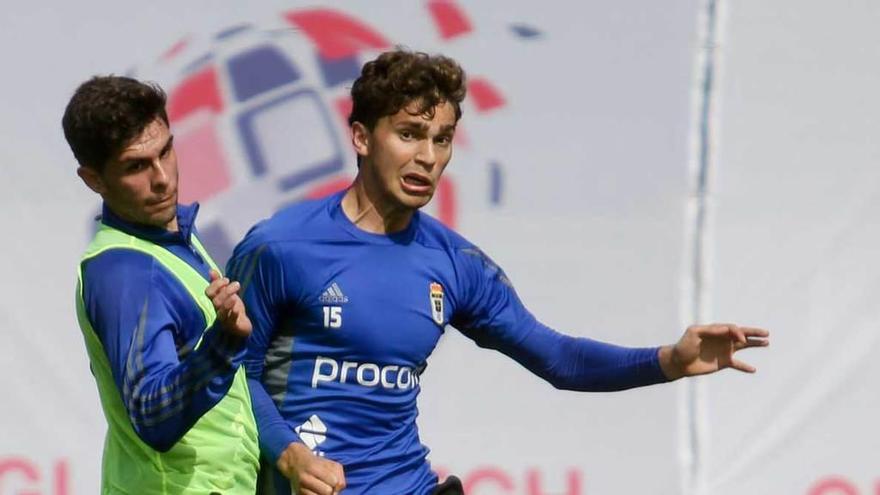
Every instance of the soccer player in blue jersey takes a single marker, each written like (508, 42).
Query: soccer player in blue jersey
(350, 294)
(164, 332)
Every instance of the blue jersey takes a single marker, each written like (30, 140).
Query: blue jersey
(344, 322)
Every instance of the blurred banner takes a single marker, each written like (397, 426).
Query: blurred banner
(571, 169)
(797, 193)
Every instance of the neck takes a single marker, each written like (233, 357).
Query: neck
(372, 213)
(171, 226)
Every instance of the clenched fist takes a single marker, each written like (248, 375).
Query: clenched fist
(310, 474)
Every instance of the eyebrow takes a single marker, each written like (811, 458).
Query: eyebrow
(422, 126)
(168, 144)
(412, 124)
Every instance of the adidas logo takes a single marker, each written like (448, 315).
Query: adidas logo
(333, 295)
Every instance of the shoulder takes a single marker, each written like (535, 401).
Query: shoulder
(434, 234)
(120, 279)
(305, 213)
(474, 265)
(286, 239)
(118, 267)
(299, 221)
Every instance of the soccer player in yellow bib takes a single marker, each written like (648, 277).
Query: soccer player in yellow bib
(165, 333)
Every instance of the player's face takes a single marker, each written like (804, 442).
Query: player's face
(140, 184)
(405, 153)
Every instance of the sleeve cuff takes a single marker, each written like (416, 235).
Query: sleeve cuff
(651, 368)
(274, 443)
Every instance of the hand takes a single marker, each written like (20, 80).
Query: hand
(310, 474)
(708, 348)
(228, 305)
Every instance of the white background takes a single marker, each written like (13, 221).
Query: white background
(594, 141)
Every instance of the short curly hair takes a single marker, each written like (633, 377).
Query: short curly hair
(106, 113)
(400, 77)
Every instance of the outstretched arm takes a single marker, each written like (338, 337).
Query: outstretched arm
(493, 316)
(490, 312)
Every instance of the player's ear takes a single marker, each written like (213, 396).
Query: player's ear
(92, 179)
(360, 139)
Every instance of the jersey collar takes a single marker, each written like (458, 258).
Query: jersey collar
(186, 217)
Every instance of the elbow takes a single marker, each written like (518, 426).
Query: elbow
(559, 381)
(154, 439)
(162, 446)
(558, 375)
(581, 384)
(569, 385)
(159, 432)
(560, 385)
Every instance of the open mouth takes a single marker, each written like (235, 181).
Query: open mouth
(416, 184)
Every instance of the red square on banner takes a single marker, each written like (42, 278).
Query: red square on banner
(201, 164)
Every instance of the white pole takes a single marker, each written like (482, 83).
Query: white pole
(696, 287)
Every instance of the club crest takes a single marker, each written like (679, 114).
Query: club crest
(437, 302)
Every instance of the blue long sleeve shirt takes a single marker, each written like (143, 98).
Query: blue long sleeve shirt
(149, 325)
(345, 320)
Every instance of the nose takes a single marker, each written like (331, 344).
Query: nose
(160, 175)
(426, 155)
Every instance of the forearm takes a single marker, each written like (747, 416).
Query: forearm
(275, 434)
(165, 399)
(589, 365)
(582, 364)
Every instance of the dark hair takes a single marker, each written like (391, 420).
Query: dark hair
(106, 113)
(400, 77)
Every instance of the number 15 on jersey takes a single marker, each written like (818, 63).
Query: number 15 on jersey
(332, 316)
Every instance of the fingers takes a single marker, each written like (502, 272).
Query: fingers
(755, 332)
(228, 305)
(713, 329)
(306, 491)
(232, 315)
(736, 334)
(751, 342)
(309, 483)
(213, 274)
(323, 478)
(753, 337)
(742, 366)
(217, 284)
(226, 296)
(310, 474)
(742, 335)
(340, 477)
